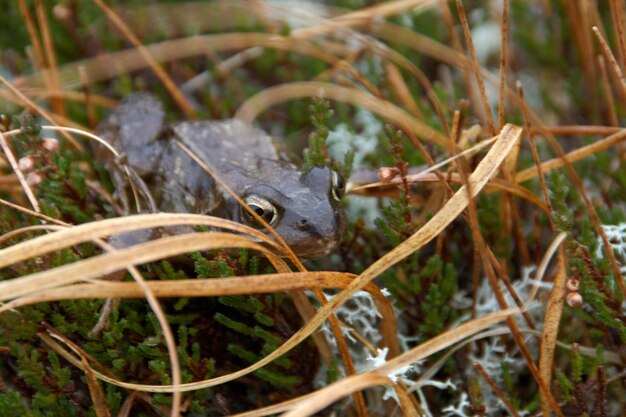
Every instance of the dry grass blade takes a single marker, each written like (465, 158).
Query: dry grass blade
(543, 265)
(110, 262)
(113, 64)
(330, 394)
(90, 231)
(493, 186)
(617, 16)
(572, 156)
(327, 395)
(32, 34)
(31, 213)
(504, 30)
(250, 284)
(169, 84)
(608, 93)
(77, 96)
(365, 16)
(97, 395)
(476, 67)
(18, 172)
(51, 60)
(402, 90)
(290, 91)
(496, 389)
(444, 340)
(551, 326)
(535, 153)
(608, 55)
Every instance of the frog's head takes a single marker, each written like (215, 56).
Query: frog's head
(303, 208)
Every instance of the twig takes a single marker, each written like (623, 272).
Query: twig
(18, 172)
(51, 61)
(43, 113)
(503, 61)
(608, 54)
(494, 387)
(171, 87)
(476, 67)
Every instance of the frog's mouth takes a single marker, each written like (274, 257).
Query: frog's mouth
(315, 248)
(310, 241)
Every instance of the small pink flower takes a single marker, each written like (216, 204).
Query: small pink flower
(574, 299)
(50, 144)
(26, 163)
(33, 178)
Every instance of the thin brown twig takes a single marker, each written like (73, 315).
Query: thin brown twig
(18, 172)
(168, 83)
(608, 93)
(39, 110)
(577, 130)
(51, 60)
(617, 16)
(402, 90)
(77, 96)
(567, 159)
(84, 81)
(585, 19)
(476, 67)
(458, 47)
(608, 54)
(479, 368)
(533, 148)
(32, 213)
(503, 60)
(32, 34)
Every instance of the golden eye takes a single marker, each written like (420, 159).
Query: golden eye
(261, 206)
(338, 186)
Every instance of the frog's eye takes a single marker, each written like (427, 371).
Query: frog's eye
(338, 186)
(261, 206)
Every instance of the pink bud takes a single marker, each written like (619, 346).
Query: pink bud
(33, 178)
(61, 12)
(574, 299)
(572, 284)
(50, 144)
(26, 163)
(387, 174)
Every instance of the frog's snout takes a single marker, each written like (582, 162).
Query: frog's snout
(318, 238)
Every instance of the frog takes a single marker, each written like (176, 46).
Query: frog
(302, 206)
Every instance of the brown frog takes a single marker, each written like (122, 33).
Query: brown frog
(303, 207)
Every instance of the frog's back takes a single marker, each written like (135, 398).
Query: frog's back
(228, 143)
(134, 128)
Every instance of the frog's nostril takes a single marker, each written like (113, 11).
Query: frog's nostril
(303, 225)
